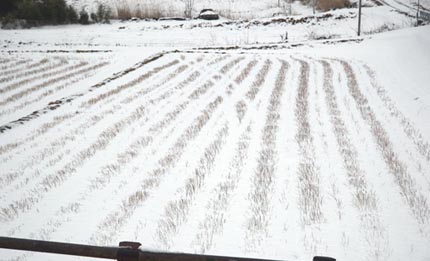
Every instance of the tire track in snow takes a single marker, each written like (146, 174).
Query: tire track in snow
(262, 181)
(112, 223)
(364, 197)
(409, 129)
(176, 211)
(310, 198)
(414, 198)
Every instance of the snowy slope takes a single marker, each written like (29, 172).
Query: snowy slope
(260, 147)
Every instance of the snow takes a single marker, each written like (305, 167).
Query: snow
(257, 147)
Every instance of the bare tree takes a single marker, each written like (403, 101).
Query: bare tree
(189, 4)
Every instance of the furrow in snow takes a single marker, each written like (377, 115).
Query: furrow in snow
(50, 72)
(51, 91)
(48, 126)
(130, 84)
(262, 181)
(256, 85)
(245, 72)
(50, 82)
(195, 96)
(4, 61)
(218, 205)
(21, 65)
(416, 201)
(107, 172)
(53, 156)
(168, 78)
(243, 75)
(364, 197)
(134, 149)
(230, 65)
(54, 180)
(117, 218)
(413, 133)
(310, 198)
(170, 226)
(176, 211)
(34, 71)
(83, 127)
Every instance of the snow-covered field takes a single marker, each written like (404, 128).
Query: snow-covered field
(283, 150)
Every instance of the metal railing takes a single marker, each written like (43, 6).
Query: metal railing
(127, 251)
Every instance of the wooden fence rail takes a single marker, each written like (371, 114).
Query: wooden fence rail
(127, 251)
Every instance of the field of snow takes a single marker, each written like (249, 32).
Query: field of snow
(218, 138)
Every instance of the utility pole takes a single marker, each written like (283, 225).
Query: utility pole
(313, 5)
(418, 13)
(359, 17)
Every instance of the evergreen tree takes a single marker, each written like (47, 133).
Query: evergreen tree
(8, 6)
(83, 17)
(72, 16)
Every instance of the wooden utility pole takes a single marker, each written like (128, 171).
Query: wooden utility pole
(418, 13)
(359, 17)
(313, 5)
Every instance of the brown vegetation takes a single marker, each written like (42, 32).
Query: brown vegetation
(310, 198)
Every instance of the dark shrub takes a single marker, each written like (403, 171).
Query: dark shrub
(94, 18)
(83, 17)
(37, 12)
(72, 15)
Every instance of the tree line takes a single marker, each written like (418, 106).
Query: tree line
(49, 12)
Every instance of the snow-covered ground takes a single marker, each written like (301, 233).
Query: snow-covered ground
(197, 33)
(230, 8)
(251, 146)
